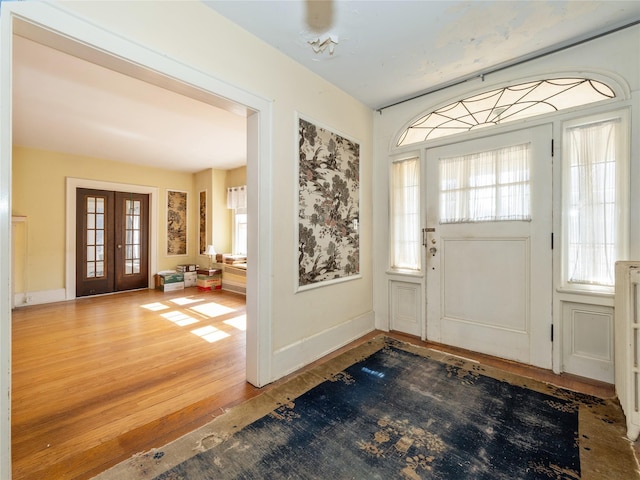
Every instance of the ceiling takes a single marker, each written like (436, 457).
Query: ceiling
(387, 51)
(383, 52)
(65, 104)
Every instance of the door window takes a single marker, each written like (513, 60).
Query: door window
(133, 224)
(486, 186)
(95, 234)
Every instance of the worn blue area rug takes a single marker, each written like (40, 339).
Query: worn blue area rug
(416, 415)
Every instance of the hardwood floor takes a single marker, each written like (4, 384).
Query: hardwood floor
(97, 380)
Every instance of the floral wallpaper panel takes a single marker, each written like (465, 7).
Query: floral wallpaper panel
(176, 222)
(328, 206)
(203, 222)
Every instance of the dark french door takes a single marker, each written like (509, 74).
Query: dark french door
(112, 241)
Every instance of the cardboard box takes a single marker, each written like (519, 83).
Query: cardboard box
(171, 277)
(167, 277)
(171, 287)
(189, 267)
(209, 282)
(209, 272)
(190, 279)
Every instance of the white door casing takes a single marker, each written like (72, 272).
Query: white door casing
(489, 284)
(50, 23)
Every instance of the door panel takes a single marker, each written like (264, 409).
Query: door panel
(486, 281)
(94, 238)
(489, 283)
(587, 340)
(131, 249)
(406, 307)
(111, 241)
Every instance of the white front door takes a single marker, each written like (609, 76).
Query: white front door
(489, 276)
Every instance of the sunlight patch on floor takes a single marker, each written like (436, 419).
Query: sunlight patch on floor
(185, 300)
(154, 307)
(239, 322)
(210, 334)
(179, 318)
(212, 309)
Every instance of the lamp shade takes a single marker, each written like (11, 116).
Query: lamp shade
(210, 250)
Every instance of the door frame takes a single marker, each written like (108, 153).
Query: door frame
(72, 185)
(51, 25)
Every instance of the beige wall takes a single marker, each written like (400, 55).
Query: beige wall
(218, 216)
(39, 189)
(197, 36)
(236, 177)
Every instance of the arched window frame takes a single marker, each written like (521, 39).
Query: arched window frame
(618, 87)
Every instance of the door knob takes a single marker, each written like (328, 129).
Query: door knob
(433, 251)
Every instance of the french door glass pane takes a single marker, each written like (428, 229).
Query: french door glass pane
(133, 210)
(95, 236)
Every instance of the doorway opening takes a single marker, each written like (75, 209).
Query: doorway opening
(52, 27)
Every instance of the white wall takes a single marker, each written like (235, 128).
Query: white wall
(187, 40)
(615, 57)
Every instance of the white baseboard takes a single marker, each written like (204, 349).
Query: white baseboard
(23, 299)
(297, 355)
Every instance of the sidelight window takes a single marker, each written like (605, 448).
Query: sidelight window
(595, 192)
(405, 214)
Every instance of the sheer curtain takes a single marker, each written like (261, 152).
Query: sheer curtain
(486, 186)
(237, 197)
(591, 203)
(405, 214)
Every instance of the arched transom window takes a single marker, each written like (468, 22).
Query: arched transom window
(505, 105)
